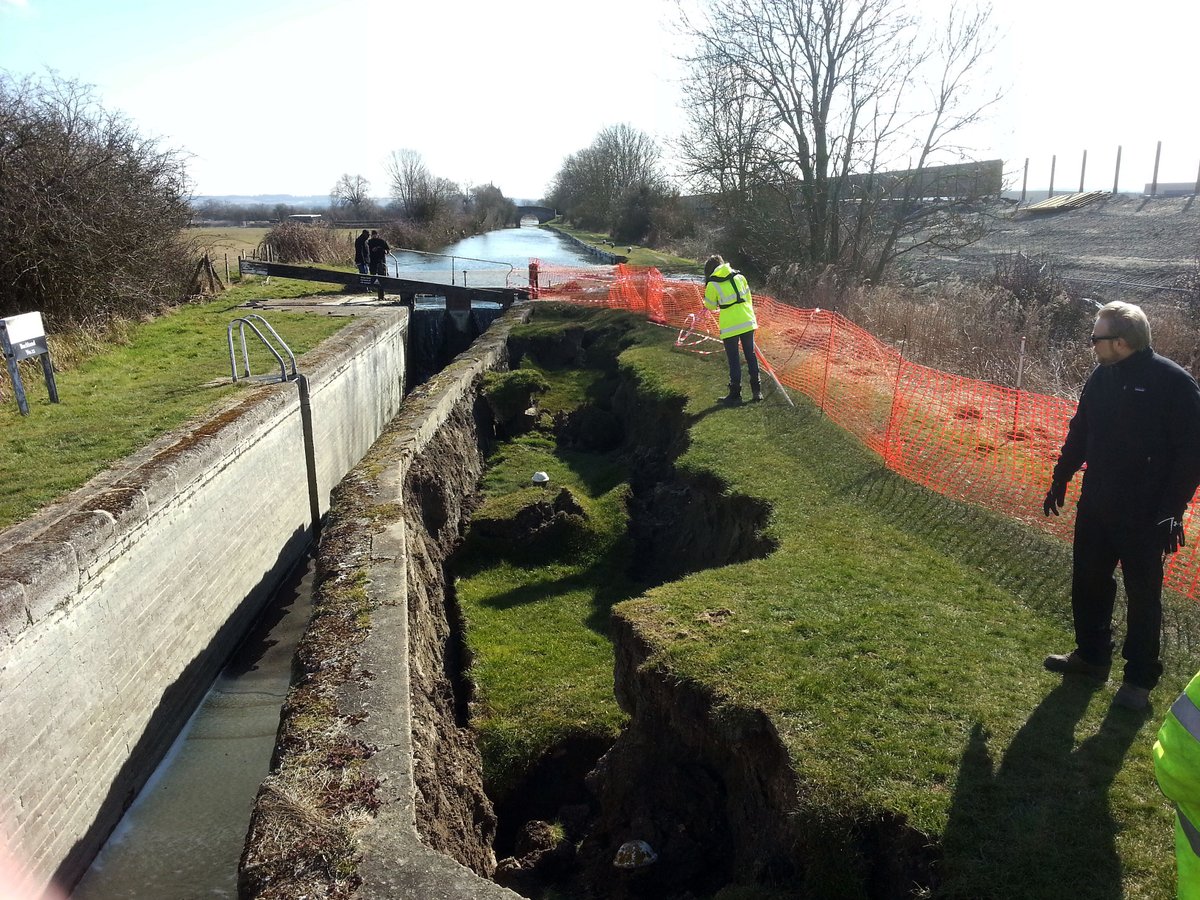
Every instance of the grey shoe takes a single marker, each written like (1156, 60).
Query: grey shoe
(1074, 664)
(1132, 697)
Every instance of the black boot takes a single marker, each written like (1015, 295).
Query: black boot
(755, 389)
(734, 397)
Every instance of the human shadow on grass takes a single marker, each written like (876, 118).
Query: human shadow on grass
(1039, 824)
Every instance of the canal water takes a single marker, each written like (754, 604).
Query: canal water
(183, 835)
(495, 259)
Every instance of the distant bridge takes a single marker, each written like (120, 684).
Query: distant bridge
(543, 213)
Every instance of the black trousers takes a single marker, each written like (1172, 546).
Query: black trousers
(735, 364)
(1101, 543)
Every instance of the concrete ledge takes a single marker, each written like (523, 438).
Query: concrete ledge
(120, 602)
(394, 862)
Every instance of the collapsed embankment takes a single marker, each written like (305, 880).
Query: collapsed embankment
(377, 789)
(705, 783)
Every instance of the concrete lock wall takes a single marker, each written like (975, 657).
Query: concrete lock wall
(119, 604)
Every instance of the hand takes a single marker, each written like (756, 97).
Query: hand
(1055, 497)
(1170, 531)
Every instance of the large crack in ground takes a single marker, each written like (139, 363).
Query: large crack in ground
(561, 825)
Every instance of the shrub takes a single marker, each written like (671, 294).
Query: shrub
(294, 242)
(90, 210)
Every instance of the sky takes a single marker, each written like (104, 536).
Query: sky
(274, 97)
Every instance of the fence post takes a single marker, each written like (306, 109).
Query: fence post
(890, 430)
(1082, 170)
(1117, 173)
(828, 357)
(1197, 189)
(1154, 182)
(1020, 378)
(1025, 179)
(1053, 164)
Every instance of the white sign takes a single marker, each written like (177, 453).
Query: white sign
(24, 327)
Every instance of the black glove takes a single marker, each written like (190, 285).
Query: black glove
(1055, 497)
(1170, 531)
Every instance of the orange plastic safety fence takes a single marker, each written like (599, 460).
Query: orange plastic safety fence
(961, 437)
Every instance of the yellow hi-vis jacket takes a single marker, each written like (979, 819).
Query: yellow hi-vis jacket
(727, 291)
(1177, 766)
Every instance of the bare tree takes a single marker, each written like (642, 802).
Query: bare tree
(490, 208)
(591, 182)
(422, 196)
(410, 178)
(813, 101)
(352, 194)
(91, 212)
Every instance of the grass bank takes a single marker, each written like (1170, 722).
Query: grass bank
(116, 398)
(894, 638)
(638, 256)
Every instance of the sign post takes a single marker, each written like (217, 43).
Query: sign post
(20, 338)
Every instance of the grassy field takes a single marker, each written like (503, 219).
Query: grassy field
(118, 398)
(895, 639)
(220, 242)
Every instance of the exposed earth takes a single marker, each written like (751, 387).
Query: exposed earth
(1117, 247)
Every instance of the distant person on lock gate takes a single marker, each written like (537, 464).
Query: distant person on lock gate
(1177, 767)
(362, 256)
(377, 249)
(1137, 427)
(726, 292)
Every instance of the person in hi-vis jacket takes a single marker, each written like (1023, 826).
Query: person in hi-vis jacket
(727, 293)
(1177, 767)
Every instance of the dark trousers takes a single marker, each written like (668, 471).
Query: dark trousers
(1100, 544)
(735, 364)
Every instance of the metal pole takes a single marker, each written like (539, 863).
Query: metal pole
(1197, 189)
(452, 260)
(1021, 365)
(310, 455)
(1082, 170)
(1154, 183)
(1053, 164)
(1117, 173)
(1025, 179)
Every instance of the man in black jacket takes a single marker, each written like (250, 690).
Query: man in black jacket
(1138, 429)
(377, 250)
(361, 255)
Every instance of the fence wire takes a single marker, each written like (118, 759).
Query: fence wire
(961, 437)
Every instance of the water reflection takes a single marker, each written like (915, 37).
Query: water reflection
(494, 259)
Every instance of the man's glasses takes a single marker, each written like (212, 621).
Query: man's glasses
(1097, 338)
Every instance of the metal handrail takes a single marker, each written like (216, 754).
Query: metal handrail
(453, 257)
(242, 323)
